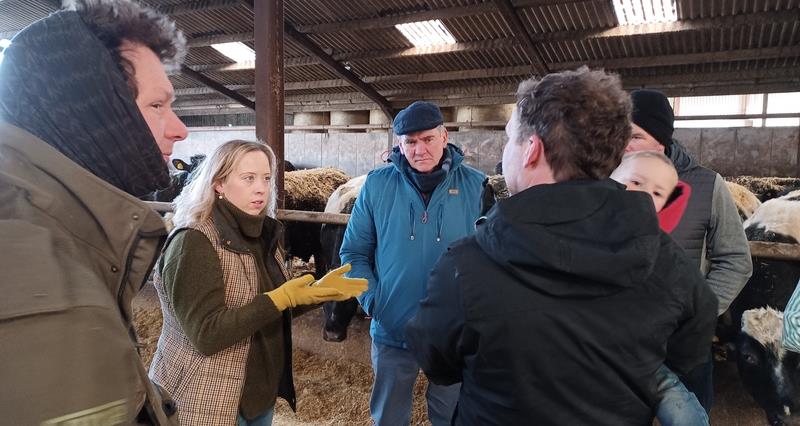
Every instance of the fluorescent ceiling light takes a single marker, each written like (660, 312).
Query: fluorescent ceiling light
(237, 51)
(426, 33)
(633, 12)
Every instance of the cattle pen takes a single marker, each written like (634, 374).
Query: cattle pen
(713, 84)
(760, 249)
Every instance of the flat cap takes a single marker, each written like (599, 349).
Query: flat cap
(418, 116)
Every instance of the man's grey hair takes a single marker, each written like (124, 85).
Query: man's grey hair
(117, 21)
(401, 138)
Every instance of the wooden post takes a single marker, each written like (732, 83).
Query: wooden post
(268, 35)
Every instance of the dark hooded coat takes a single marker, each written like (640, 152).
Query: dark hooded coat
(560, 309)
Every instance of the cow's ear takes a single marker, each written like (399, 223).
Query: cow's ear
(179, 164)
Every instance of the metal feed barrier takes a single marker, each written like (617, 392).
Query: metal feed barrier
(764, 250)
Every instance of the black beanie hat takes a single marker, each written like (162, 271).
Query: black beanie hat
(652, 112)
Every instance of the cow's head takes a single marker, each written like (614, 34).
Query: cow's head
(768, 372)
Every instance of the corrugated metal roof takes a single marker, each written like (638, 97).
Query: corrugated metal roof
(716, 46)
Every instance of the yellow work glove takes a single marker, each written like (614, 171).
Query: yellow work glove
(299, 291)
(348, 287)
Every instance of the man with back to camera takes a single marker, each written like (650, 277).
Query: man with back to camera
(87, 120)
(710, 230)
(406, 215)
(568, 298)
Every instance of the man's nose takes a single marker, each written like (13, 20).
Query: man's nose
(175, 129)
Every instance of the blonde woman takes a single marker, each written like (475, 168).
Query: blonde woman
(225, 348)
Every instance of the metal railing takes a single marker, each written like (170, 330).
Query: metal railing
(760, 249)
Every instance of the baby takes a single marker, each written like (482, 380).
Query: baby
(652, 172)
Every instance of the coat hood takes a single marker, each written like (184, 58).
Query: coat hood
(575, 238)
(681, 159)
(59, 82)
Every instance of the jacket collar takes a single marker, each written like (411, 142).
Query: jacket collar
(231, 238)
(116, 217)
(681, 158)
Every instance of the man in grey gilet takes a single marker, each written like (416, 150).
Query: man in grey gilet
(710, 230)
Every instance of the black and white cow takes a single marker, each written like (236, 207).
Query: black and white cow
(338, 314)
(179, 179)
(770, 374)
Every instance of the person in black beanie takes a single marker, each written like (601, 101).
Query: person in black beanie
(710, 230)
(85, 104)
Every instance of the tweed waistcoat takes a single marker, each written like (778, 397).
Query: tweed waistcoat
(192, 378)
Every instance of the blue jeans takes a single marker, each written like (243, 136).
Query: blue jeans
(677, 406)
(262, 420)
(395, 372)
(700, 381)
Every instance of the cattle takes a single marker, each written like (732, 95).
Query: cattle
(746, 202)
(309, 190)
(338, 314)
(769, 374)
(177, 180)
(766, 188)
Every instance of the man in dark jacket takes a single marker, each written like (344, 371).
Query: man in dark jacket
(710, 230)
(85, 103)
(568, 298)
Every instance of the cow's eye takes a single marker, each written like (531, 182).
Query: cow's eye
(750, 359)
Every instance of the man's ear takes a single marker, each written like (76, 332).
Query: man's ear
(534, 152)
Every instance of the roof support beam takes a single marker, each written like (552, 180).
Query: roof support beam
(683, 59)
(269, 49)
(197, 6)
(758, 18)
(469, 46)
(326, 60)
(194, 91)
(331, 64)
(200, 78)
(515, 23)
(725, 77)
(391, 21)
(522, 71)
(219, 38)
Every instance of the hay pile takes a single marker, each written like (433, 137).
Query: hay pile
(336, 392)
(147, 321)
(766, 188)
(310, 189)
(746, 202)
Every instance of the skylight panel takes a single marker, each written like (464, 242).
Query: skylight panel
(634, 12)
(426, 33)
(4, 43)
(237, 51)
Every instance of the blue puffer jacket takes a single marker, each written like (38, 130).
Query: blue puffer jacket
(394, 241)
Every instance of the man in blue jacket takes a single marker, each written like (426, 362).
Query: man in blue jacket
(406, 215)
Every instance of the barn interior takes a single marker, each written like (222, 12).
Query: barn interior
(321, 80)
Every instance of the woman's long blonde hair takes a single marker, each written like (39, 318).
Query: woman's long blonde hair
(194, 204)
